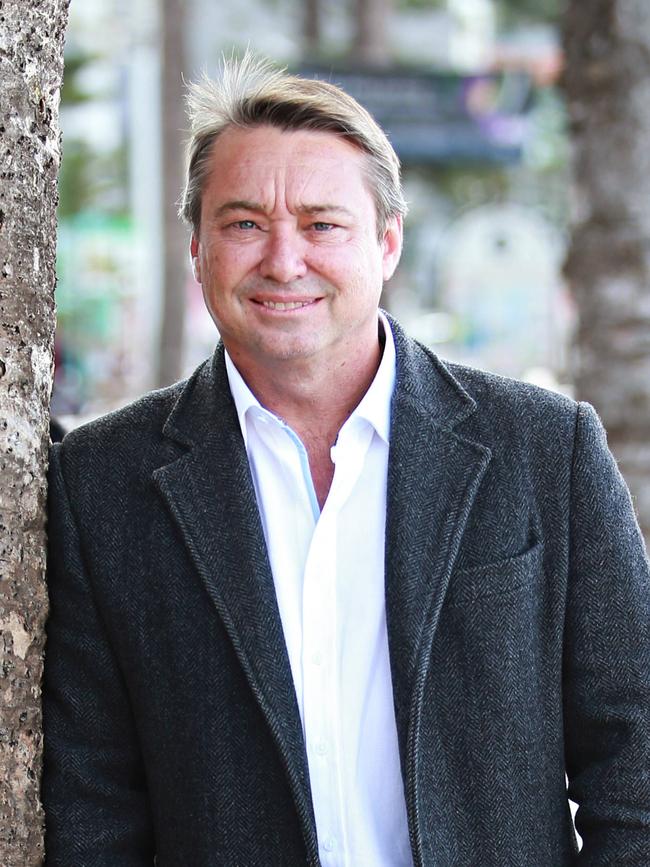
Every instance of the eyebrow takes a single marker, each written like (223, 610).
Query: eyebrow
(257, 208)
(239, 205)
(325, 208)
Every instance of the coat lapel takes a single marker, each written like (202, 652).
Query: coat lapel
(434, 475)
(210, 494)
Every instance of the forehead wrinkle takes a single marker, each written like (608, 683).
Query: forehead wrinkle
(305, 202)
(287, 185)
(260, 190)
(278, 183)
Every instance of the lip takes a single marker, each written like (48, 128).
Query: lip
(278, 304)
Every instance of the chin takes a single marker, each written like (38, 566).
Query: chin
(279, 353)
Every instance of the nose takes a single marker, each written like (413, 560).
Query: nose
(283, 258)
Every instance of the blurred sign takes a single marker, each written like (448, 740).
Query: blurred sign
(442, 117)
(501, 283)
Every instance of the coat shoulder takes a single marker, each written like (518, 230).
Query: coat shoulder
(520, 421)
(501, 396)
(488, 404)
(127, 438)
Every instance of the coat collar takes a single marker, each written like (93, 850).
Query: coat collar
(434, 474)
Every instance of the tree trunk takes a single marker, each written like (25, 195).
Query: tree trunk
(607, 83)
(371, 45)
(31, 68)
(175, 242)
(312, 25)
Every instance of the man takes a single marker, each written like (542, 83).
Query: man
(332, 601)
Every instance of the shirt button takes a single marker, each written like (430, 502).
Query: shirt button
(317, 658)
(320, 748)
(328, 844)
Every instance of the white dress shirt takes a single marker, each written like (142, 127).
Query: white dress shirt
(328, 571)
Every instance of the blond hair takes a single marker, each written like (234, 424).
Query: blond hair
(252, 92)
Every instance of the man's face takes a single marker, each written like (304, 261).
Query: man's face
(288, 254)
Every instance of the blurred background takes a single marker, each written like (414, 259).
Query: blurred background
(470, 92)
(466, 90)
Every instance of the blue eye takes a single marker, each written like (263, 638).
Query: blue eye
(245, 224)
(323, 227)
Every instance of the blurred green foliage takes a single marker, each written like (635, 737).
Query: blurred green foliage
(516, 12)
(421, 4)
(92, 181)
(89, 180)
(72, 90)
(509, 12)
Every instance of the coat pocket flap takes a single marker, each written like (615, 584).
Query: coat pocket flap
(496, 578)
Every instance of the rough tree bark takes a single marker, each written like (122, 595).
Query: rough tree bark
(175, 255)
(607, 83)
(371, 44)
(31, 67)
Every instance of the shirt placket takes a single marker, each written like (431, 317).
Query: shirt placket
(321, 661)
(319, 687)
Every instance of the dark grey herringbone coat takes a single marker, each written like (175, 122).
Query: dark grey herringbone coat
(518, 608)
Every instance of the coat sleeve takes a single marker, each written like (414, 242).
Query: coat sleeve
(93, 788)
(606, 674)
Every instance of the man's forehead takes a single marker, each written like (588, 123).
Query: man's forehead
(258, 206)
(309, 199)
(268, 149)
(316, 176)
(303, 170)
(327, 173)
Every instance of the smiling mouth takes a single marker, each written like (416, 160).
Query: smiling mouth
(286, 305)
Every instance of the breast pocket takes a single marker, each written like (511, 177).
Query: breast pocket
(491, 643)
(496, 579)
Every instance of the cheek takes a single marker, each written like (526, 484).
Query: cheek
(360, 268)
(217, 267)
(343, 263)
(230, 264)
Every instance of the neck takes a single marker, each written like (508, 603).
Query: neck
(313, 399)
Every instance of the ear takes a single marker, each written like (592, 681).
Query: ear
(195, 256)
(392, 245)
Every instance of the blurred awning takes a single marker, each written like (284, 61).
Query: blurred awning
(440, 117)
